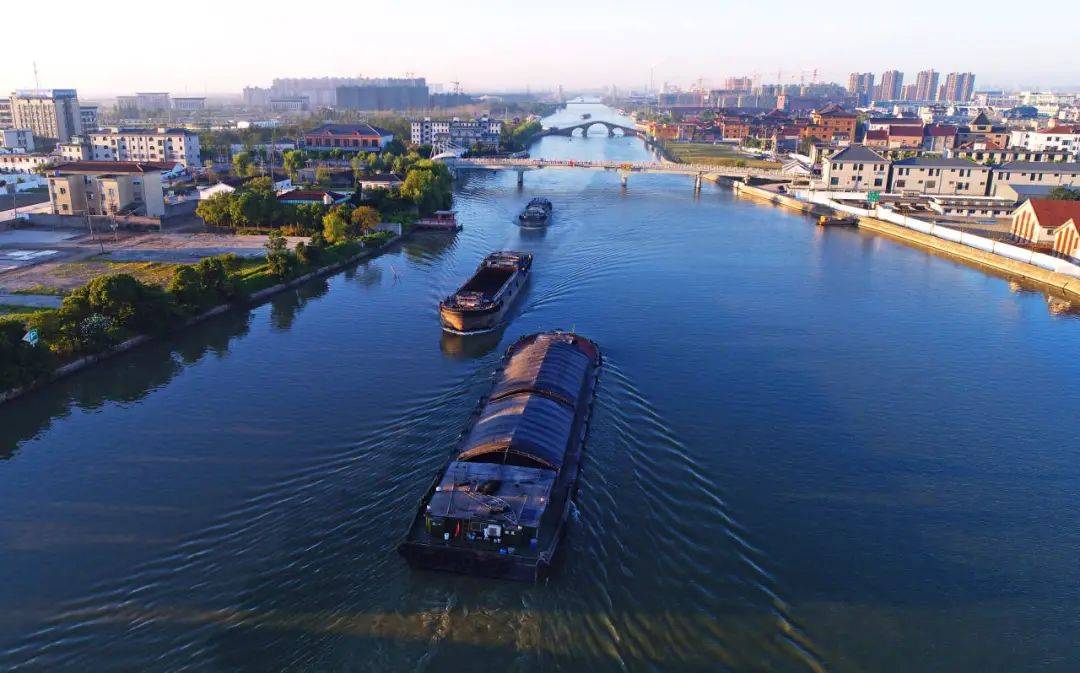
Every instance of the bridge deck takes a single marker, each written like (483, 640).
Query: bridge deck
(634, 167)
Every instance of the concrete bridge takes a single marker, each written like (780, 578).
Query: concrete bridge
(696, 171)
(584, 127)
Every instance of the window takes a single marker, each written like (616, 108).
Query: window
(834, 181)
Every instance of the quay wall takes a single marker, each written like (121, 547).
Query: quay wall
(256, 298)
(1051, 271)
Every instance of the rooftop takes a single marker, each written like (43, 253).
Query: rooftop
(938, 162)
(1054, 213)
(348, 130)
(114, 167)
(1041, 166)
(856, 153)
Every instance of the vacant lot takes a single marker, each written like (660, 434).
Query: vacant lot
(60, 277)
(717, 155)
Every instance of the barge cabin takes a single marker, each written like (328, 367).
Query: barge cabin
(500, 505)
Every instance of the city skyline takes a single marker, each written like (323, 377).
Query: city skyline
(576, 46)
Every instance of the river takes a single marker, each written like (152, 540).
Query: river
(812, 451)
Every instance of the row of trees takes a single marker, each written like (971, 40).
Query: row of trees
(516, 137)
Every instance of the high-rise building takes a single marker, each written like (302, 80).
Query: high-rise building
(959, 87)
(861, 85)
(385, 94)
(909, 92)
(739, 83)
(892, 85)
(48, 113)
(926, 85)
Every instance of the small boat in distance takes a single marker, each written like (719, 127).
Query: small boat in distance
(482, 302)
(500, 504)
(827, 221)
(536, 213)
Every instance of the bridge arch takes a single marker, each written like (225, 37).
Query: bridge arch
(583, 127)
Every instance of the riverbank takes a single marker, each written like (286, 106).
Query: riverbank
(254, 299)
(1069, 285)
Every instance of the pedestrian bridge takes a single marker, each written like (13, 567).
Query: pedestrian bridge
(697, 171)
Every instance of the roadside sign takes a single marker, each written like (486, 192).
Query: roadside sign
(873, 197)
(31, 337)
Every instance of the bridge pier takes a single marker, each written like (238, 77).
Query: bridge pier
(521, 177)
(697, 183)
(624, 176)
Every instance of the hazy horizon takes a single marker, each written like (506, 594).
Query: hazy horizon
(561, 43)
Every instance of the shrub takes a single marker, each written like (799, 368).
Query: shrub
(278, 256)
(21, 363)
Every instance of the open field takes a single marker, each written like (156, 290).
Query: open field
(61, 277)
(717, 155)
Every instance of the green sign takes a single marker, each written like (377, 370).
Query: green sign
(31, 337)
(873, 197)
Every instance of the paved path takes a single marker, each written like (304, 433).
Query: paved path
(42, 300)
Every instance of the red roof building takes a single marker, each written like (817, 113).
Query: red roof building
(1036, 221)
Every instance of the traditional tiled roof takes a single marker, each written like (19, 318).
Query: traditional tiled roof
(940, 130)
(906, 131)
(1054, 213)
(347, 130)
(856, 153)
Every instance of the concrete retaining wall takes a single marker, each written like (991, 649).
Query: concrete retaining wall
(256, 298)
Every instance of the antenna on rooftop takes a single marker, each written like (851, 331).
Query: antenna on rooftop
(37, 82)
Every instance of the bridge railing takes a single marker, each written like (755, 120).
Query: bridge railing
(638, 166)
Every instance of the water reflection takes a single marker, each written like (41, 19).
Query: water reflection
(428, 246)
(469, 346)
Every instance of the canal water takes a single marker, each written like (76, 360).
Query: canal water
(812, 451)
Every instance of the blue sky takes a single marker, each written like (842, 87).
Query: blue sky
(198, 47)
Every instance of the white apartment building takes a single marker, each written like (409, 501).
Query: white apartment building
(48, 113)
(88, 114)
(17, 139)
(442, 134)
(160, 145)
(1064, 137)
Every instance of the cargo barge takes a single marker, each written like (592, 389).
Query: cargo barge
(482, 302)
(536, 214)
(500, 505)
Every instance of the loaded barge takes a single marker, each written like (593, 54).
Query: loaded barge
(482, 302)
(536, 214)
(500, 505)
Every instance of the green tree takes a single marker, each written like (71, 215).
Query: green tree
(277, 255)
(322, 175)
(216, 211)
(1064, 194)
(335, 226)
(428, 185)
(21, 363)
(293, 161)
(365, 218)
(243, 164)
(263, 185)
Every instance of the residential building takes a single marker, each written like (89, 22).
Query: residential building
(1058, 137)
(444, 134)
(5, 113)
(910, 92)
(959, 87)
(89, 117)
(1004, 156)
(936, 175)
(939, 137)
(51, 114)
(982, 133)
(856, 168)
(831, 124)
(1020, 173)
(861, 84)
(21, 140)
(1037, 220)
(289, 104)
(23, 162)
(385, 94)
(877, 139)
(972, 206)
(892, 85)
(348, 137)
(127, 106)
(324, 197)
(146, 145)
(905, 137)
(189, 104)
(739, 83)
(1067, 239)
(380, 181)
(76, 149)
(926, 85)
(108, 188)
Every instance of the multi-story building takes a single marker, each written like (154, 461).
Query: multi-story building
(926, 85)
(739, 83)
(52, 114)
(290, 104)
(107, 188)
(76, 149)
(830, 124)
(1023, 173)
(148, 102)
(24, 162)
(348, 137)
(189, 104)
(443, 134)
(177, 146)
(935, 175)
(910, 92)
(892, 85)
(88, 117)
(861, 84)
(959, 87)
(21, 140)
(1060, 137)
(856, 168)
(5, 113)
(384, 94)
(1009, 154)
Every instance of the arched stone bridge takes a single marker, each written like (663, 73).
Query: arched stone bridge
(586, 125)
